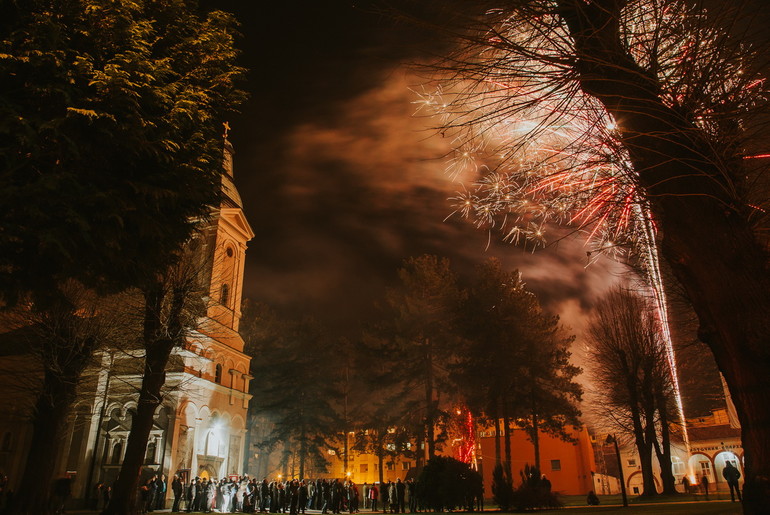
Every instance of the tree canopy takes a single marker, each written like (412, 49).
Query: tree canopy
(110, 147)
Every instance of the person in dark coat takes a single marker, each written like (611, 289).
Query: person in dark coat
(326, 495)
(191, 495)
(264, 496)
(400, 496)
(732, 475)
(704, 483)
(177, 489)
(592, 499)
(302, 495)
(160, 492)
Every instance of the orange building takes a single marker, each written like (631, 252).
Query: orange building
(568, 465)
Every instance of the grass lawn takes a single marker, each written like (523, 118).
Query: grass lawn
(612, 504)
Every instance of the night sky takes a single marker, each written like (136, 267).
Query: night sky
(341, 182)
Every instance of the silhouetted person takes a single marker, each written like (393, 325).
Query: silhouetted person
(732, 475)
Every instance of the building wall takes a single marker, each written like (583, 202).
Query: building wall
(713, 442)
(568, 465)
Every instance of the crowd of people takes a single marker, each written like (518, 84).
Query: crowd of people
(249, 495)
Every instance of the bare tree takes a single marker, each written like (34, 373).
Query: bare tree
(61, 337)
(630, 368)
(172, 306)
(619, 116)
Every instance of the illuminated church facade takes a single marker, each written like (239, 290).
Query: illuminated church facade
(200, 427)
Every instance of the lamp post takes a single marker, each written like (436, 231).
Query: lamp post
(612, 439)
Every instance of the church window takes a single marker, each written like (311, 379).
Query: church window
(218, 374)
(149, 457)
(229, 252)
(117, 451)
(225, 294)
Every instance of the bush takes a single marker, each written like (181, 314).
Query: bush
(534, 492)
(446, 483)
(502, 488)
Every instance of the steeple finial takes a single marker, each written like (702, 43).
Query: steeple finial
(226, 125)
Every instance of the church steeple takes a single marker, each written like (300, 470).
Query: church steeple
(227, 236)
(230, 193)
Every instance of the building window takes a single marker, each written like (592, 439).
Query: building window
(705, 468)
(390, 466)
(149, 457)
(406, 465)
(632, 463)
(555, 465)
(363, 468)
(218, 374)
(225, 295)
(117, 451)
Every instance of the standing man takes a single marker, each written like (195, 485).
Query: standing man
(732, 475)
(176, 487)
(704, 481)
(401, 495)
(160, 492)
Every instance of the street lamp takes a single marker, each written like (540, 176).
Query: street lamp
(612, 439)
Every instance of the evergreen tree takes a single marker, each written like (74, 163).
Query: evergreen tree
(417, 341)
(296, 387)
(515, 359)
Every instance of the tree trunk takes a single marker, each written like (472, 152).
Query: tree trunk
(429, 404)
(707, 237)
(507, 428)
(157, 352)
(381, 461)
(420, 451)
(303, 452)
(663, 451)
(535, 433)
(498, 450)
(67, 357)
(49, 423)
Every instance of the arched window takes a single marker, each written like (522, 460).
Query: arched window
(224, 296)
(218, 374)
(212, 444)
(117, 451)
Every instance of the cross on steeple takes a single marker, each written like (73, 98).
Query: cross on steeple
(226, 125)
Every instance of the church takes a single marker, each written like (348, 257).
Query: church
(199, 429)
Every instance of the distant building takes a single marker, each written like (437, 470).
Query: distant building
(569, 465)
(199, 428)
(713, 443)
